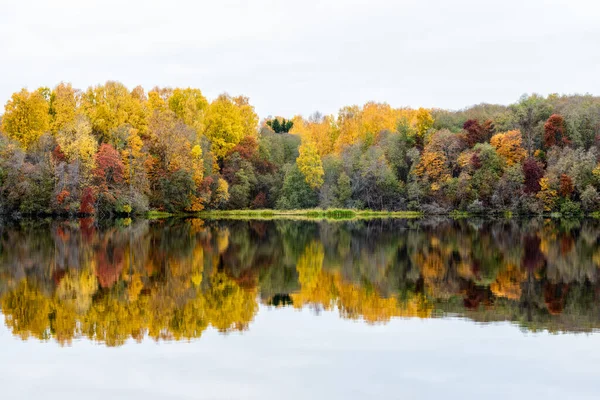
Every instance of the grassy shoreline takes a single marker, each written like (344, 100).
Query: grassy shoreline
(339, 214)
(317, 213)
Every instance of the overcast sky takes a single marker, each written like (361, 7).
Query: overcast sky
(294, 57)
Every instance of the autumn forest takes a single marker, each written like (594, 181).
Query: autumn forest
(109, 150)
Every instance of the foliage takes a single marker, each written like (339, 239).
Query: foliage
(566, 186)
(590, 199)
(555, 132)
(569, 208)
(282, 126)
(111, 106)
(532, 172)
(26, 117)
(309, 163)
(172, 191)
(62, 106)
(109, 149)
(296, 193)
(189, 105)
(225, 125)
(475, 133)
(547, 194)
(508, 146)
(424, 122)
(107, 180)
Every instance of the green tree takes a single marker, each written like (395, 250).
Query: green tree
(529, 115)
(296, 193)
(343, 190)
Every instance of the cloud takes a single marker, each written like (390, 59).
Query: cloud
(301, 56)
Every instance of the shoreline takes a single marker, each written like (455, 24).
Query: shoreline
(313, 214)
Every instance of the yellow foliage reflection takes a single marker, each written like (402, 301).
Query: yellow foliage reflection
(174, 279)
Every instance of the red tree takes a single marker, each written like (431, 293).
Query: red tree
(87, 201)
(475, 133)
(554, 132)
(107, 177)
(260, 201)
(533, 173)
(566, 186)
(109, 166)
(476, 161)
(247, 148)
(58, 154)
(64, 194)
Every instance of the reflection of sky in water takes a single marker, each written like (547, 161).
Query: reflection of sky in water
(294, 354)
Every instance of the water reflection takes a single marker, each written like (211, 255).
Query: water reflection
(172, 279)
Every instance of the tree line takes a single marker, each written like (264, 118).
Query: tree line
(109, 150)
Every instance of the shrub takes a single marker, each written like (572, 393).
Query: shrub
(569, 208)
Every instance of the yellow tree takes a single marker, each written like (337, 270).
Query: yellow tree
(170, 140)
(249, 116)
(300, 126)
(433, 165)
(424, 122)
(321, 131)
(376, 118)
(134, 160)
(189, 105)
(198, 174)
(77, 143)
(509, 147)
(63, 106)
(310, 164)
(547, 194)
(26, 117)
(349, 124)
(323, 135)
(198, 164)
(158, 98)
(596, 172)
(224, 125)
(221, 195)
(139, 94)
(111, 105)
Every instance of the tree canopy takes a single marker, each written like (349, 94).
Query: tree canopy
(180, 151)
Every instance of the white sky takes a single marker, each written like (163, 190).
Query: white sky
(294, 56)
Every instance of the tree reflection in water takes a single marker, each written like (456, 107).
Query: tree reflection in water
(172, 279)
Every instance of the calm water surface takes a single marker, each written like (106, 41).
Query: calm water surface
(224, 309)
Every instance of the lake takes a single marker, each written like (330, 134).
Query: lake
(265, 309)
